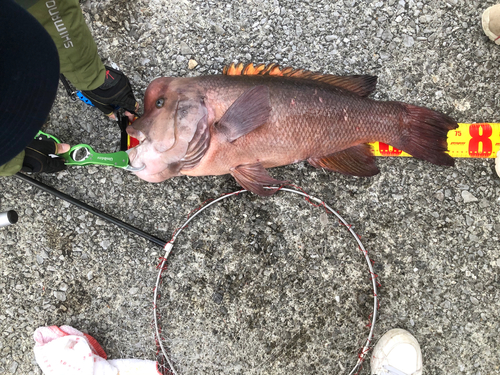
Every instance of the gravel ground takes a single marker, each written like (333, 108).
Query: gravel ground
(270, 286)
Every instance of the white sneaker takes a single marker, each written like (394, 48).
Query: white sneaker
(396, 353)
(491, 23)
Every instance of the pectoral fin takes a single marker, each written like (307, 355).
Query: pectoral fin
(250, 111)
(357, 161)
(254, 177)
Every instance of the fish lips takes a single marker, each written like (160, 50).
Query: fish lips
(149, 164)
(163, 146)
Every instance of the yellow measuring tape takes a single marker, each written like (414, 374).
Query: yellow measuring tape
(467, 141)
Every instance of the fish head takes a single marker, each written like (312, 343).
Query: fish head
(174, 110)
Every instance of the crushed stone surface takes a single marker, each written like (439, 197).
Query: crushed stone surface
(270, 286)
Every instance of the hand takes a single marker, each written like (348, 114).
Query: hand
(37, 159)
(116, 91)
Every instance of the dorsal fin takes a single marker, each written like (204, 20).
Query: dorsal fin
(362, 85)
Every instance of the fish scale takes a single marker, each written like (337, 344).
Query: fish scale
(308, 128)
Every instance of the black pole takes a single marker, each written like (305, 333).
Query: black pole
(90, 209)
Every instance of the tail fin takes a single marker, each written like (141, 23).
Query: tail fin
(424, 133)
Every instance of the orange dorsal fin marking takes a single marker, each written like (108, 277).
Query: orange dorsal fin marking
(275, 71)
(272, 70)
(362, 85)
(251, 70)
(286, 71)
(238, 68)
(233, 70)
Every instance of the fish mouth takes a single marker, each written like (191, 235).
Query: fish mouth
(132, 153)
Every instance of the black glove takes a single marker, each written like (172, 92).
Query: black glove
(37, 159)
(116, 91)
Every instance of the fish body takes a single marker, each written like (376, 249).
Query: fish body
(253, 118)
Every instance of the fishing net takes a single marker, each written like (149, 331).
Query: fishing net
(264, 286)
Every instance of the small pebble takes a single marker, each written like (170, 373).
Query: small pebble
(323, 219)
(217, 298)
(117, 180)
(13, 367)
(185, 49)
(484, 203)
(61, 296)
(105, 244)
(468, 197)
(439, 196)
(192, 64)
(408, 41)
(219, 30)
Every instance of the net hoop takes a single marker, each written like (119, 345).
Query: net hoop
(169, 246)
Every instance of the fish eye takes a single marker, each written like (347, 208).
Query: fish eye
(159, 103)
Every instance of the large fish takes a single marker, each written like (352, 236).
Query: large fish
(257, 117)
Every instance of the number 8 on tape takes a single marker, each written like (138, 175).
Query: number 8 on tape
(481, 140)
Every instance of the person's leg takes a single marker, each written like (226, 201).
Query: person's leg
(396, 353)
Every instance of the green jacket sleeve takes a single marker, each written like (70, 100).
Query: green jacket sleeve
(80, 63)
(13, 166)
(64, 21)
